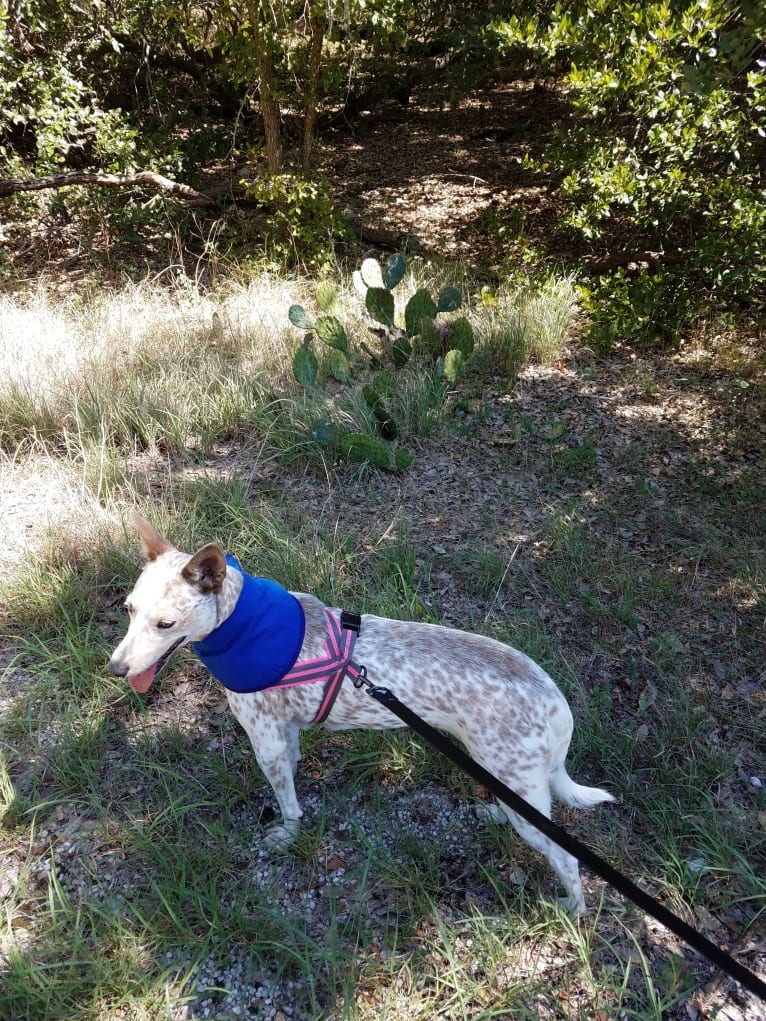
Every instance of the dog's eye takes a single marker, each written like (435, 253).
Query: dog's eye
(163, 625)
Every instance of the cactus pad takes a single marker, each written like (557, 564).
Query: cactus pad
(430, 340)
(389, 430)
(393, 270)
(332, 332)
(299, 317)
(420, 306)
(402, 458)
(326, 434)
(454, 365)
(305, 366)
(326, 296)
(462, 335)
(361, 448)
(380, 304)
(371, 273)
(339, 366)
(450, 299)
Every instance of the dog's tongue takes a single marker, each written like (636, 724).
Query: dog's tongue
(143, 681)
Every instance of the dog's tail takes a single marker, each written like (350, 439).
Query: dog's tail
(575, 794)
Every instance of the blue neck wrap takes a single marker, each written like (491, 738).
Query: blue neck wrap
(260, 642)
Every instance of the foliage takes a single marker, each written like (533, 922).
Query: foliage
(447, 343)
(301, 220)
(666, 149)
(50, 112)
(428, 337)
(166, 86)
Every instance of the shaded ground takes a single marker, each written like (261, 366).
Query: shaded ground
(454, 179)
(441, 179)
(607, 516)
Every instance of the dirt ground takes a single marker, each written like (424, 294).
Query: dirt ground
(452, 180)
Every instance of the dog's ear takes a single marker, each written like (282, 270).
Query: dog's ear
(153, 543)
(207, 569)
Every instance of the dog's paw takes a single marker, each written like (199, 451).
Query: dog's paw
(279, 838)
(488, 811)
(573, 907)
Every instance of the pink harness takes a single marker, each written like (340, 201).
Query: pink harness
(330, 668)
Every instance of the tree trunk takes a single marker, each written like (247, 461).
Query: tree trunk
(269, 104)
(317, 26)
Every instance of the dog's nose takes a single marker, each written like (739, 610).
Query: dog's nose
(117, 669)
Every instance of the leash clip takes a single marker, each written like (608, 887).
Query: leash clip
(362, 680)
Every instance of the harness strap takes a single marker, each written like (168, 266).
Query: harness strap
(331, 668)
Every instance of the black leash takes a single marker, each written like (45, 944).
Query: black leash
(569, 843)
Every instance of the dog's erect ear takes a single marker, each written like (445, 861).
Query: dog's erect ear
(153, 543)
(206, 569)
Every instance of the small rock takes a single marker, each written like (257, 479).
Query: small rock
(423, 810)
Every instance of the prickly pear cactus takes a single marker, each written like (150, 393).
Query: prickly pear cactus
(421, 307)
(330, 330)
(462, 335)
(389, 430)
(424, 332)
(326, 296)
(454, 365)
(402, 458)
(299, 317)
(379, 302)
(305, 365)
(446, 342)
(326, 434)
(359, 447)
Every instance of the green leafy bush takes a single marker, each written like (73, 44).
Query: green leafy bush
(665, 152)
(302, 222)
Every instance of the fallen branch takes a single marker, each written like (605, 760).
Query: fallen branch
(142, 178)
(632, 261)
(380, 237)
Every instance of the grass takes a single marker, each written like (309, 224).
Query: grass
(131, 827)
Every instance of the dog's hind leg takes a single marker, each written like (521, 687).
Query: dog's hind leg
(563, 864)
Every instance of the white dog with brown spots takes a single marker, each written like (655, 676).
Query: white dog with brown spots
(270, 647)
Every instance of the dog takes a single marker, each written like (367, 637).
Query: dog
(264, 642)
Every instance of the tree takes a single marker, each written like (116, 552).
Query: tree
(667, 149)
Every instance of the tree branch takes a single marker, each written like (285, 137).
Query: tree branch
(632, 261)
(142, 178)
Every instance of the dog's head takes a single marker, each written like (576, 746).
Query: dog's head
(173, 602)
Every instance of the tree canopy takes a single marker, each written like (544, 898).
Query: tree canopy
(664, 149)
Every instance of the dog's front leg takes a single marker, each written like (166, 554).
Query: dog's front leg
(275, 760)
(275, 744)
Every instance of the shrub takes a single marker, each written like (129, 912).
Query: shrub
(444, 342)
(302, 222)
(665, 150)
